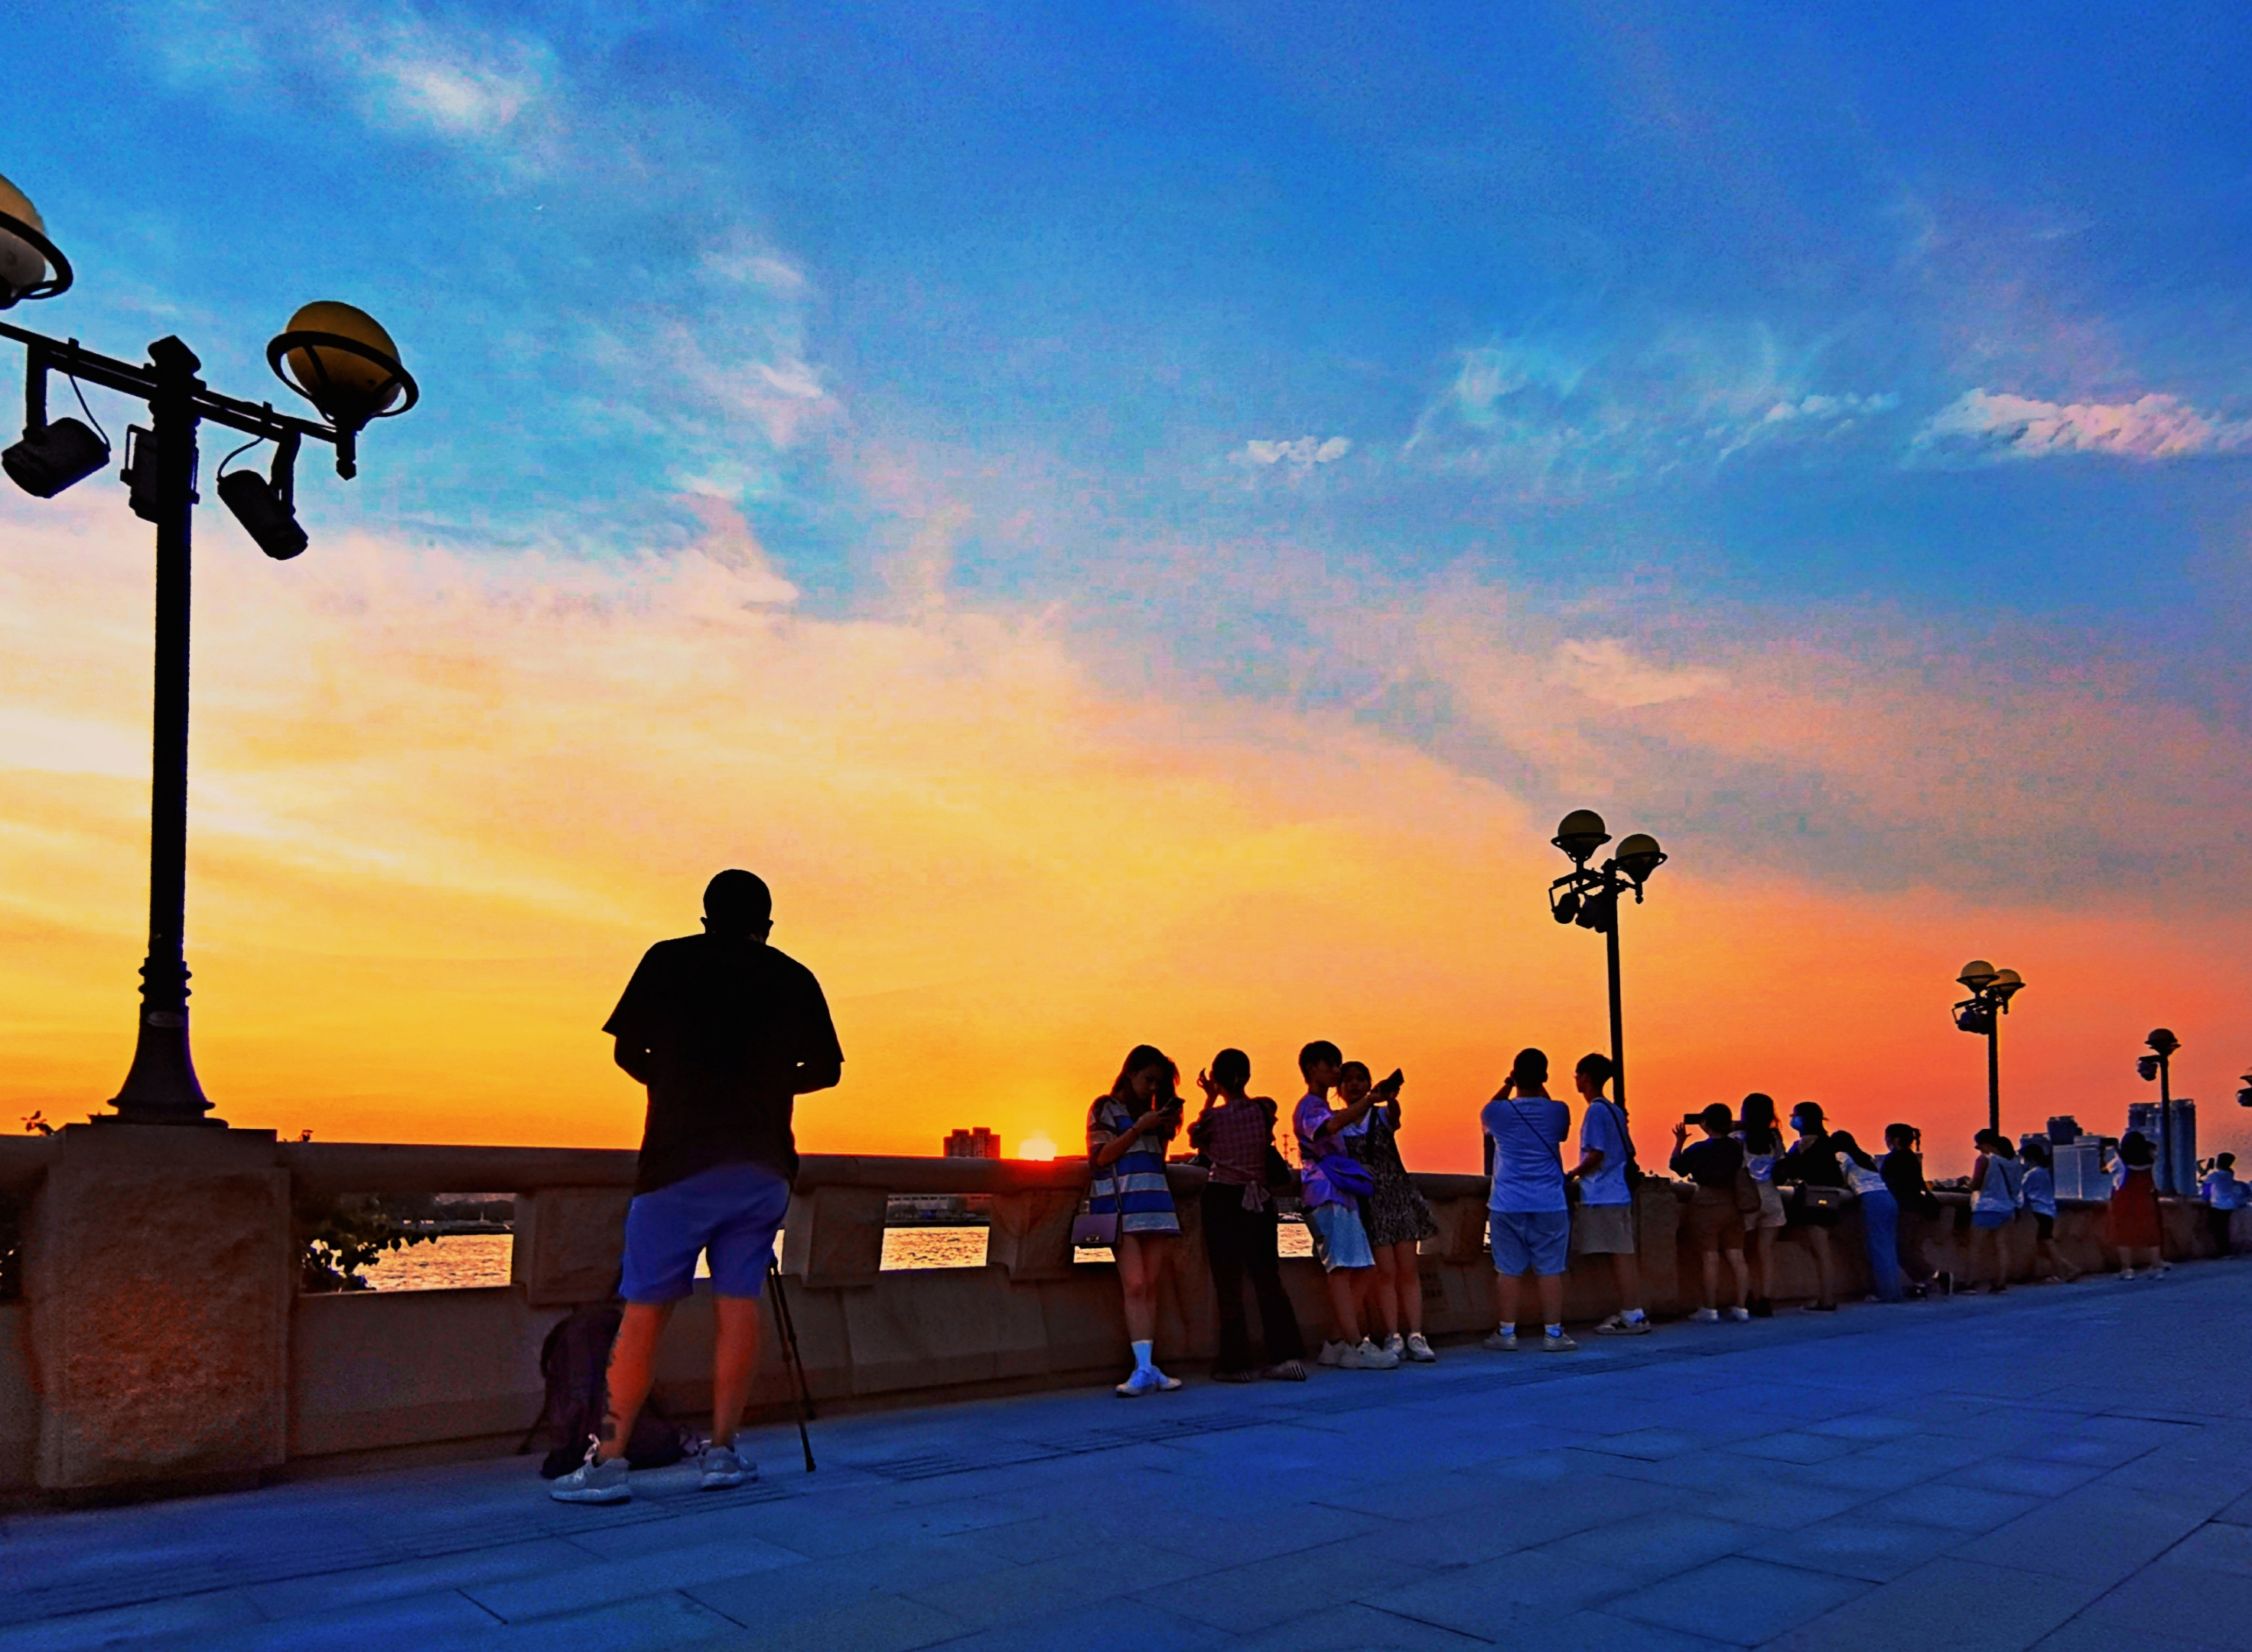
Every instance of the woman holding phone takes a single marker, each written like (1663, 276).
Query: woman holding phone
(1396, 1216)
(1127, 1130)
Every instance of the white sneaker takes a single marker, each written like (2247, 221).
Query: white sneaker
(1148, 1381)
(1706, 1317)
(2126, 1272)
(1620, 1325)
(1395, 1345)
(1332, 1354)
(1419, 1350)
(1741, 1316)
(725, 1466)
(1503, 1340)
(1369, 1356)
(1558, 1344)
(594, 1481)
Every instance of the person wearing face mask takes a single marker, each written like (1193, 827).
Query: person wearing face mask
(1812, 1164)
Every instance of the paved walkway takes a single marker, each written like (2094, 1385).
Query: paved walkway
(2067, 1468)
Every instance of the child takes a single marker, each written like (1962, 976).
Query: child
(1997, 1189)
(2224, 1196)
(2040, 1200)
(1333, 1183)
(1902, 1169)
(1716, 1222)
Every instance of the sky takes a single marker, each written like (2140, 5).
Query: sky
(1137, 522)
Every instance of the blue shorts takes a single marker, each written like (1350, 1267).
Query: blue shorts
(731, 1211)
(1530, 1241)
(1339, 1239)
(1991, 1220)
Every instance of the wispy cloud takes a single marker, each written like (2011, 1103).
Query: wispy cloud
(1302, 455)
(1986, 425)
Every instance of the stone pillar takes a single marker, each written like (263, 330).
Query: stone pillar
(834, 1236)
(159, 1270)
(570, 1245)
(1030, 1234)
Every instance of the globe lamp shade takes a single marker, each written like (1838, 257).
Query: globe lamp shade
(2163, 1040)
(1580, 834)
(2007, 984)
(1639, 856)
(31, 266)
(1977, 974)
(338, 357)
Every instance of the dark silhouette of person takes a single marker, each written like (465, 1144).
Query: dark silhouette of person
(726, 1033)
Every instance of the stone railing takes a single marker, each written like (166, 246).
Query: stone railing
(162, 1339)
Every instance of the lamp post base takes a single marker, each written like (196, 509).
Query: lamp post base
(161, 1086)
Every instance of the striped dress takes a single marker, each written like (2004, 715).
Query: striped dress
(1138, 1178)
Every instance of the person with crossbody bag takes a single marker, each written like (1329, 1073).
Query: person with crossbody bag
(1602, 1222)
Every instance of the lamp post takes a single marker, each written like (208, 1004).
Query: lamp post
(2159, 1065)
(1589, 897)
(1990, 992)
(334, 356)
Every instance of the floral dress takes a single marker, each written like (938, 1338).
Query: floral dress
(1395, 1212)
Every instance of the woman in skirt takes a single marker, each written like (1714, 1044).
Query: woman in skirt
(1395, 1215)
(2132, 1224)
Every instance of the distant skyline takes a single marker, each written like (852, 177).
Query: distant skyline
(1137, 524)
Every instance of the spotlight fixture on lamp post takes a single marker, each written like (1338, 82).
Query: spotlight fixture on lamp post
(1982, 1012)
(1588, 896)
(338, 359)
(2159, 1065)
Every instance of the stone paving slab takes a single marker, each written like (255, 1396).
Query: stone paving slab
(2065, 1467)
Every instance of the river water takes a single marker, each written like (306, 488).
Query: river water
(459, 1260)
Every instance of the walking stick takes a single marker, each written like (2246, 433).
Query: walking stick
(797, 1363)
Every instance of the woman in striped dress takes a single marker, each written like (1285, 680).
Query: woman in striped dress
(1126, 1135)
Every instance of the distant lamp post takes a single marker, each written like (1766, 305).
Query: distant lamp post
(338, 359)
(1982, 1012)
(1588, 896)
(2159, 1065)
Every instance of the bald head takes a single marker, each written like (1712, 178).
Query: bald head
(738, 903)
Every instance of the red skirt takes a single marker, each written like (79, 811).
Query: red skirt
(2132, 1221)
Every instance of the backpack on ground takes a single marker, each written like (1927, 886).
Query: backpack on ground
(576, 1361)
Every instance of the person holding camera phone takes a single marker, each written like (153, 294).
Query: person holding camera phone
(1716, 1221)
(1334, 1183)
(1528, 1218)
(1127, 1131)
(1394, 1214)
(1236, 1133)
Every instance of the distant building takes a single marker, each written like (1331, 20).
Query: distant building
(980, 1143)
(2063, 1129)
(2144, 1116)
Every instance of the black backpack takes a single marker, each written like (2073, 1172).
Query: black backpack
(575, 1362)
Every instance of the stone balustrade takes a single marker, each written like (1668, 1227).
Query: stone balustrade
(161, 1340)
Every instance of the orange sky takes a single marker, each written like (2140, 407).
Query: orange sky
(440, 805)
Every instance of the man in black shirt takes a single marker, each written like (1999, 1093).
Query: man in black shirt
(726, 1033)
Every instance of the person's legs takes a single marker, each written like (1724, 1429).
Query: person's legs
(1408, 1286)
(1552, 1298)
(1384, 1291)
(1344, 1310)
(1278, 1321)
(1817, 1238)
(1227, 1238)
(1626, 1269)
(1137, 1283)
(1880, 1224)
(1742, 1275)
(734, 1363)
(1507, 1287)
(1767, 1236)
(1711, 1298)
(633, 1366)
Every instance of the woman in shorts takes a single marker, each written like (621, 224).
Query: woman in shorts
(1997, 1184)
(1811, 1163)
(1602, 1222)
(1762, 1146)
(1127, 1130)
(1329, 1174)
(1716, 1223)
(2050, 1265)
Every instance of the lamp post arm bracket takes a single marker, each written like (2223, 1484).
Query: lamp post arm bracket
(69, 357)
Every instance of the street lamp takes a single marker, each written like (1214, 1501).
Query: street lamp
(335, 357)
(1589, 897)
(2159, 1065)
(1990, 992)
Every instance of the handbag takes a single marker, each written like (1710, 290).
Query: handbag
(1748, 1193)
(1823, 1198)
(1092, 1230)
(1348, 1175)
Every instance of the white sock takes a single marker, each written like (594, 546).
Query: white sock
(1633, 1316)
(1553, 1330)
(1141, 1357)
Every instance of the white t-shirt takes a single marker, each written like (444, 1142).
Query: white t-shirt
(2223, 1191)
(1602, 1130)
(1528, 1172)
(2039, 1191)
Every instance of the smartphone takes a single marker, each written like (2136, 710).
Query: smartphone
(1693, 1118)
(1392, 1081)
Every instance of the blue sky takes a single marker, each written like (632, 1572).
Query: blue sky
(1216, 327)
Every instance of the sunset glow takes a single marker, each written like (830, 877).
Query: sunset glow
(1168, 597)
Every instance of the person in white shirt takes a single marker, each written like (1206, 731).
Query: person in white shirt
(1602, 1225)
(2051, 1266)
(2223, 1195)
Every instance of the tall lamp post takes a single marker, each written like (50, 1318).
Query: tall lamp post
(2159, 1065)
(1588, 896)
(1982, 1012)
(335, 357)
